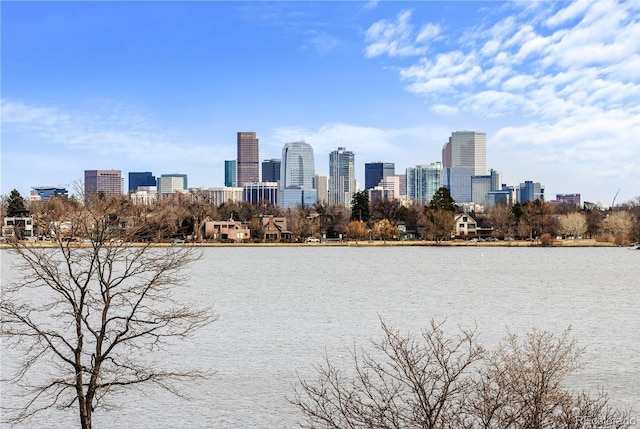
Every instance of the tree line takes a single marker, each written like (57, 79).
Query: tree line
(381, 219)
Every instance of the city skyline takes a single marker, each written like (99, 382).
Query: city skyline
(165, 86)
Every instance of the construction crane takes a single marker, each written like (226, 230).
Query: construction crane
(614, 198)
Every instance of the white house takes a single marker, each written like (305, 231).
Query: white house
(465, 225)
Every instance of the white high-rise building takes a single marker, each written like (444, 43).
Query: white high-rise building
(342, 177)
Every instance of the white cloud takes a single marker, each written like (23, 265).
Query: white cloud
(396, 39)
(566, 73)
(116, 131)
(321, 42)
(518, 83)
(444, 110)
(574, 10)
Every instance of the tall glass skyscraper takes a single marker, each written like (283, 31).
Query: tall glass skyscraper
(248, 166)
(342, 177)
(423, 181)
(230, 173)
(297, 174)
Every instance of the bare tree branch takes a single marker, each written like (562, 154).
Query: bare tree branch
(90, 311)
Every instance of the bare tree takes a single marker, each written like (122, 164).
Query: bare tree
(523, 386)
(85, 312)
(573, 224)
(433, 381)
(406, 382)
(619, 223)
(503, 220)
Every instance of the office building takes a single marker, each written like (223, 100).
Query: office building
(374, 172)
(102, 183)
(41, 193)
(219, 196)
(342, 177)
(466, 149)
(230, 173)
(504, 196)
(321, 184)
(297, 175)
(463, 156)
(529, 191)
(482, 186)
(137, 179)
(271, 170)
(260, 192)
(423, 181)
(403, 184)
(144, 195)
(172, 183)
(458, 181)
(248, 166)
(568, 198)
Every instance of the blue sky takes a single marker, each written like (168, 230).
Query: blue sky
(165, 86)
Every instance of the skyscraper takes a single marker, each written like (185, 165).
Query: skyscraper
(463, 156)
(248, 166)
(423, 181)
(140, 179)
(321, 185)
(342, 177)
(102, 182)
(271, 170)
(466, 149)
(374, 172)
(230, 173)
(297, 174)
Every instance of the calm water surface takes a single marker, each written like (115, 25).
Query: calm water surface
(281, 308)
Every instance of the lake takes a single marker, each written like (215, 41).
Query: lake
(281, 308)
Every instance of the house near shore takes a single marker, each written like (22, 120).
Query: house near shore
(227, 231)
(20, 226)
(275, 229)
(465, 225)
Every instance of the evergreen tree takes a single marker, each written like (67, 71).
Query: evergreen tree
(442, 201)
(15, 204)
(360, 206)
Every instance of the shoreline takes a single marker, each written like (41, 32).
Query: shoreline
(419, 243)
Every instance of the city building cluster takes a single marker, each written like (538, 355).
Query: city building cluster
(291, 180)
